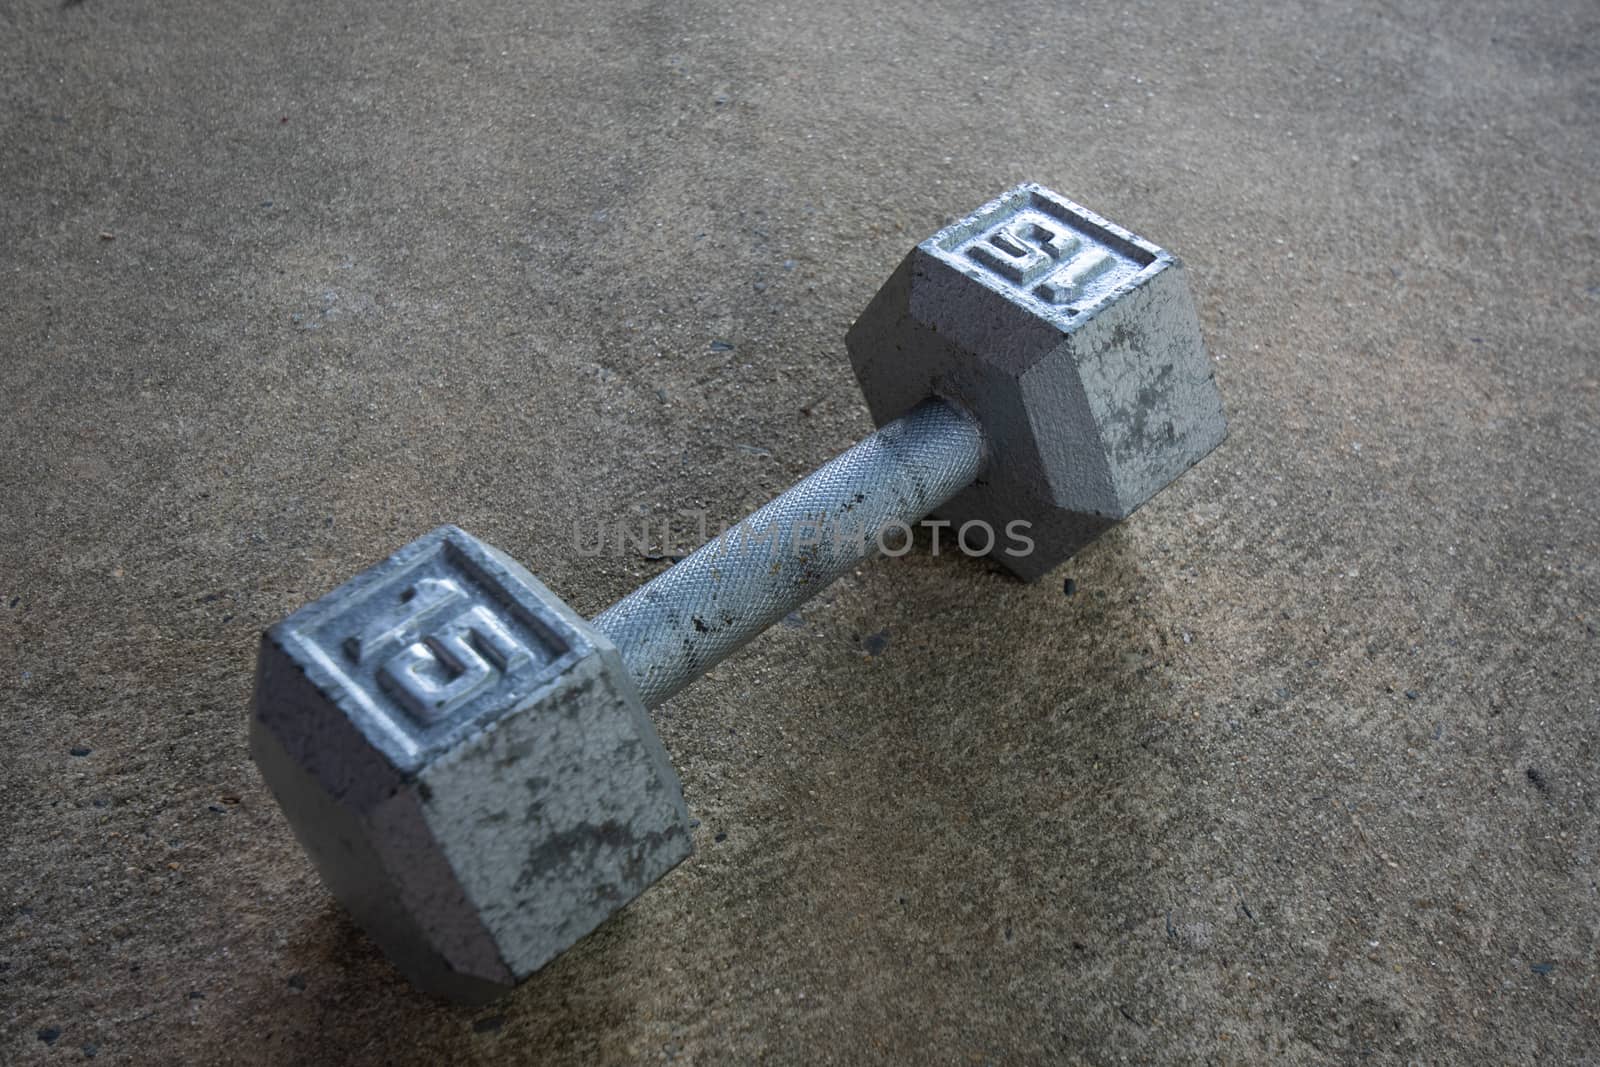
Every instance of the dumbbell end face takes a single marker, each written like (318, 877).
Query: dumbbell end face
(467, 763)
(1077, 346)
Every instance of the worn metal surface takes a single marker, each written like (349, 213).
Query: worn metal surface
(411, 722)
(466, 761)
(1076, 344)
(688, 618)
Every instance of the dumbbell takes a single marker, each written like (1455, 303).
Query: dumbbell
(471, 765)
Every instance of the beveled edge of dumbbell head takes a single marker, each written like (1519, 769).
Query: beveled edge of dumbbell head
(455, 574)
(1090, 406)
(413, 799)
(1132, 259)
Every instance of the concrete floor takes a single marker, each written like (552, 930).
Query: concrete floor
(1304, 770)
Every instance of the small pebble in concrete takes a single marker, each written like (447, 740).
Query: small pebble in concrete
(297, 982)
(80, 751)
(49, 1034)
(874, 644)
(1542, 968)
(1069, 586)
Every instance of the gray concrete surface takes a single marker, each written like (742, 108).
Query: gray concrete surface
(1305, 767)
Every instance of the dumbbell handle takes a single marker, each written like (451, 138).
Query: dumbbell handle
(687, 619)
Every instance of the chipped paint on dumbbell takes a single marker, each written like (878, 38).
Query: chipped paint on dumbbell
(1077, 346)
(471, 765)
(467, 761)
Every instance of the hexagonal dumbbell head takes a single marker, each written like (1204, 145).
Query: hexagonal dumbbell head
(467, 762)
(1076, 345)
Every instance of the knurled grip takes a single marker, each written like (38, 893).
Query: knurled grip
(687, 619)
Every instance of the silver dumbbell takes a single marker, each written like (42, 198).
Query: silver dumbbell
(471, 765)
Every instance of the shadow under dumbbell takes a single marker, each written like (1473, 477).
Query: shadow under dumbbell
(936, 797)
(942, 801)
(350, 1005)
